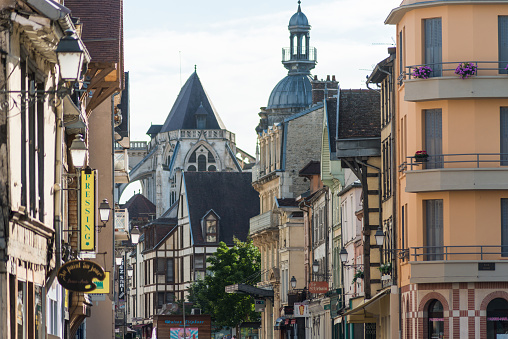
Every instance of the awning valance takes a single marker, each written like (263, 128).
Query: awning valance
(359, 314)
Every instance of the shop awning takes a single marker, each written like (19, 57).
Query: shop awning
(360, 314)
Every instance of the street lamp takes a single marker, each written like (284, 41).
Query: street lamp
(118, 261)
(130, 272)
(104, 211)
(293, 282)
(78, 151)
(315, 266)
(135, 234)
(70, 54)
(380, 236)
(343, 255)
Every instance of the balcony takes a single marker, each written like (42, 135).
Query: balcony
(454, 172)
(488, 82)
(121, 167)
(449, 264)
(263, 222)
(287, 56)
(121, 224)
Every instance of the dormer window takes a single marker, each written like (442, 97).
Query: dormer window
(211, 227)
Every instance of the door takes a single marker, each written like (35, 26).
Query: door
(433, 45)
(433, 138)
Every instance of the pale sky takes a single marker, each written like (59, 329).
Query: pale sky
(236, 46)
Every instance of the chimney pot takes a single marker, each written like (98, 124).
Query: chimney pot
(333, 78)
(328, 78)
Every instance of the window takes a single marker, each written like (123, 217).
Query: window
(433, 45)
(497, 318)
(199, 262)
(433, 138)
(170, 270)
(504, 227)
(503, 43)
(504, 136)
(161, 266)
(193, 157)
(435, 320)
(191, 168)
(304, 44)
(211, 158)
(401, 54)
(201, 163)
(434, 229)
(211, 229)
(200, 121)
(295, 45)
(403, 136)
(160, 299)
(387, 167)
(212, 168)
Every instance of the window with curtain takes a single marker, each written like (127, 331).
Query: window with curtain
(433, 45)
(434, 229)
(433, 138)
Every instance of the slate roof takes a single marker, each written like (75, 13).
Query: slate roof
(287, 202)
(183, 114)
(162, 227)
(229, 194)
(139, 207)
(295, 90)
(312, 168)
(102, 27)
(359, 114)
(331, 115)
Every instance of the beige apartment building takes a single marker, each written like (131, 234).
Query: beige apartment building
(452, 205)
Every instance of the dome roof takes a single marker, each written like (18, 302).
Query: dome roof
(298, 19)
(292, 91)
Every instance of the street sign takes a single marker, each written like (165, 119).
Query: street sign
(78, 275)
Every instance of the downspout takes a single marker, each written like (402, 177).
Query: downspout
(58, 201)
(311, 235)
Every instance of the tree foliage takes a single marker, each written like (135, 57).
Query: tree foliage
(238, 264)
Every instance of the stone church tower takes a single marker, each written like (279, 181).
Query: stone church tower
(293, 93)
(193, 138)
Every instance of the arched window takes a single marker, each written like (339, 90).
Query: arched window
(295, 45)
(497, 318)
(169, 160)
(191, 168)
(201, 163)
(435, 319)
(304, 44)
(211, 158)
(193, 157)
(212, 168)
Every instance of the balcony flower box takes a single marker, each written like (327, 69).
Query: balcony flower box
(358, 275)
(466, 70)
(421, 72)
(421, 156)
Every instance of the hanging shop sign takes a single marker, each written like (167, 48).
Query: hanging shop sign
(301, 310)
(102, 286)
(78, 275)
(318, 287)
(259, 305)
(87, 228)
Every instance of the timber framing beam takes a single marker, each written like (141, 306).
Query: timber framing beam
(105, 80)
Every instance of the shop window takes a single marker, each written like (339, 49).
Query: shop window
(497, 319)
(435, 320)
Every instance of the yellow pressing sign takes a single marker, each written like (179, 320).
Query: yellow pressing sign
(102, 286)
(87, 210)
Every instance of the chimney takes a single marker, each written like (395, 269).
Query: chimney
(320, 88)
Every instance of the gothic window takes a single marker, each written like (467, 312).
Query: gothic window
(210, 157)
(201, 121)
(193, 157)
(212, 168)
(201, 163)
(191, 168)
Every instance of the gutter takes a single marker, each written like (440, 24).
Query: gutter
(50, 9)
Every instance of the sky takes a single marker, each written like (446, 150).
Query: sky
(236, 47)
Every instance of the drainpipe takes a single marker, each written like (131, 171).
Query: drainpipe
(57, 192)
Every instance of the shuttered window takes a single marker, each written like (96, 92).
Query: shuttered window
(433, 137)
(434, 229)
(433, 45)
(503, 43)
(503, 133)
(504, 227)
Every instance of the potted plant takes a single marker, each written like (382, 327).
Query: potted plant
(421, 72)
(386, 270)
(358, 275)
(466, 69)
(421, 156)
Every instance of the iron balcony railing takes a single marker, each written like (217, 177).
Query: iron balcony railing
(463, 253)
(459, 160)
(287, 55)
(447, 69)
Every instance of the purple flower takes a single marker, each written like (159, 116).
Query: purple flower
(466, 69)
